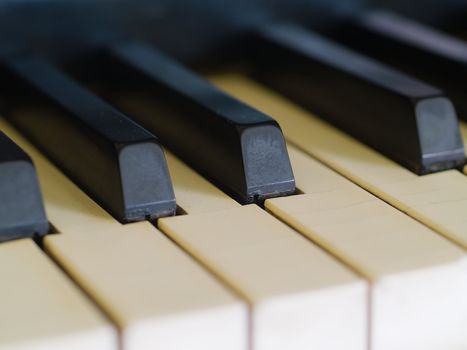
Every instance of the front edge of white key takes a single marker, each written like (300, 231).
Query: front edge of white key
(329, 319)
(223, 328)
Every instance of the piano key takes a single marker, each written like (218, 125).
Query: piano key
(74, 211)
(205, 198)
(404, 259)
(42, 309)
(289, 283)
(414, 48)
(21, 210)
(407, 120)
(437, 200)
(120, 164)
(154, 292)
(233, 145)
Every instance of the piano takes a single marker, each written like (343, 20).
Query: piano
(249, 175)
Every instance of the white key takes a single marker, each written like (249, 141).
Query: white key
(42, 309)
(300, 297)
(419, 279)
(158, 296)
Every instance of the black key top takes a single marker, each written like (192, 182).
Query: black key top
(416, 49)
(22, 213)
(236, 147)
(117, 162)
(405, 119)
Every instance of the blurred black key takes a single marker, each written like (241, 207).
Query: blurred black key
(117, 162)
(21, 210)
(236, 147)
(405, 119)
(414, 48)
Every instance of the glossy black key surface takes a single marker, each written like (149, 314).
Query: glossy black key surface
(405, 119)
(22, 213)
(236, 147)
(117, 162)
(414, 48)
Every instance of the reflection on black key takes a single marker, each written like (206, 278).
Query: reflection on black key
(21, 210)
(405, 119)
(118, 163)
(233, 145)
(419, 50)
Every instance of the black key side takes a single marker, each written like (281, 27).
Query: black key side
(238, 148)
(22, 212)
(118, 163)
(405, 119)
(414, 48)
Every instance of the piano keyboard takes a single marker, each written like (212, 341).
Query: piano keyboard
(312, 201)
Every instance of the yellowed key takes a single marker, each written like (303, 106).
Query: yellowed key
(194, 193)
(419, 279)
(300, 297)
(41, 309)
(438, 200)
(157, 295)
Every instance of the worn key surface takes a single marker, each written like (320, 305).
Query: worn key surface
(419, 279)
(417, 49)
(407, 120)
(117, 162)
(437, 200)
(300, 297)
(235, 146)
(41, 307)
(21, 209)
(155, 293)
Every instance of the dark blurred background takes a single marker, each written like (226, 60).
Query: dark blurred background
(195, 31)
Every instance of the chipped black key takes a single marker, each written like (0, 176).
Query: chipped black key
(414, 48)
(117, 162)
(405, 119)
(22, 212)
(236, 147)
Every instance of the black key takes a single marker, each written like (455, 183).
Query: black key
(22, 213)
(414, 48)
(117, 162)
(405, 119)
(236, 147)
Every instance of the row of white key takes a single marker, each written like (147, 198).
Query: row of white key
(418, 278)
(267, 287)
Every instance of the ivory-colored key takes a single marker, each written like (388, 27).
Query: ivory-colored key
(300, 297)
(196, 194)
(41, 309)
(419, 279)
(157, 295)
(438, 200)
